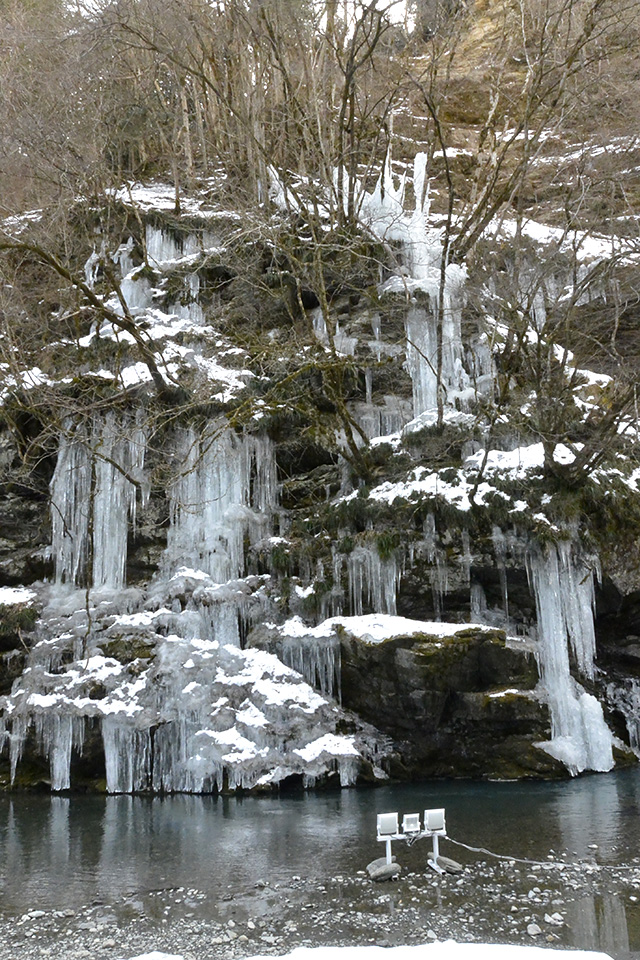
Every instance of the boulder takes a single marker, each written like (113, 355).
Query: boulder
(381, 870)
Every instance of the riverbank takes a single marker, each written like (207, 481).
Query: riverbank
(582, 906)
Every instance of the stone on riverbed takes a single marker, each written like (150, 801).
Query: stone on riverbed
(448, 865)
(381, 870)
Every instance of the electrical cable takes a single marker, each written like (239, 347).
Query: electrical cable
(502, 856)
(543, 863)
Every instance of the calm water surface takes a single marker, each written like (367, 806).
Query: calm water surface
(59, 852)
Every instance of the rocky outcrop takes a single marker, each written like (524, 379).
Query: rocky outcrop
(457, 701)
(460, 705)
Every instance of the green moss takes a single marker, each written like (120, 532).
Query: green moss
(387, 543)
(15, 619)
(126, 649)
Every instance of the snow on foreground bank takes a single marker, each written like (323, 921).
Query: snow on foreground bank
(445, 950)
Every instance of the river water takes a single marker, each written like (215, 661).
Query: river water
(241, 876)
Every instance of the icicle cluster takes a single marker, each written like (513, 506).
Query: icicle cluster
(225, 491)
(373, 581)
(198, 716)
(421, 254)
(94, 491)
(317, 659)
(564, 592)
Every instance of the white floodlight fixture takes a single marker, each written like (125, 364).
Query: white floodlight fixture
(434, 826)
(434, 822)
(411, 824)
(387, 824)
(387, 830)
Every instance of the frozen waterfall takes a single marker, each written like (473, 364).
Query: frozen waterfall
(225, 491)
(564, 592)
(94, 491)
(420, 278)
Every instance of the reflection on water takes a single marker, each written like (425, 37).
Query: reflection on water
(600, 922)
(58, 852)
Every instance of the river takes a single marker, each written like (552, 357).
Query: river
(252, 875)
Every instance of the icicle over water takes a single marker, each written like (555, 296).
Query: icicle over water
(93, 496)
(563, 587)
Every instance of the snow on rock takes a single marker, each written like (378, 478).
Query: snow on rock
(13, 595)
(162, 196)
(315, 653)
(460, 487)
(189, 715)
(375, 627)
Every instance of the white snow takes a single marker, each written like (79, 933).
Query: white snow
(375, 627)
(457, 489)
(11, 595)
(517, 463)
(440, 950)
(162, 196)
(587, 246)
(329, 743)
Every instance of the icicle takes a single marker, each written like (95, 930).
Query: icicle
(70, 506)
(91, 268)
(439, 572)
(17, 738)
(316, 659)
(372, 581)
(136, 290)
(163, 246)
(368, 381)
(478, 603)
(127, 753)
(500, 551)
(58, 734)
(93, 494)
(563, 588)
(625, 697)
(191, 308)
(123, 257)
(226, 490)
(466, 558)
(422, 359)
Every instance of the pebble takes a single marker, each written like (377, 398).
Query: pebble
(533, 930)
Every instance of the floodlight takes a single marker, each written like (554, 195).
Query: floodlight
(387, 824)
(387, 830)
(411, 823)
(434, 827)
(434, 821)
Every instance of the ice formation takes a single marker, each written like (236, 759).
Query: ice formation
(164, 246)
(434, 295)
(420, 278)
(193, 712)
(564, 592)
(94, 491)
(195, 717)
(373, 581)
(625, 697)
(225, 491)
